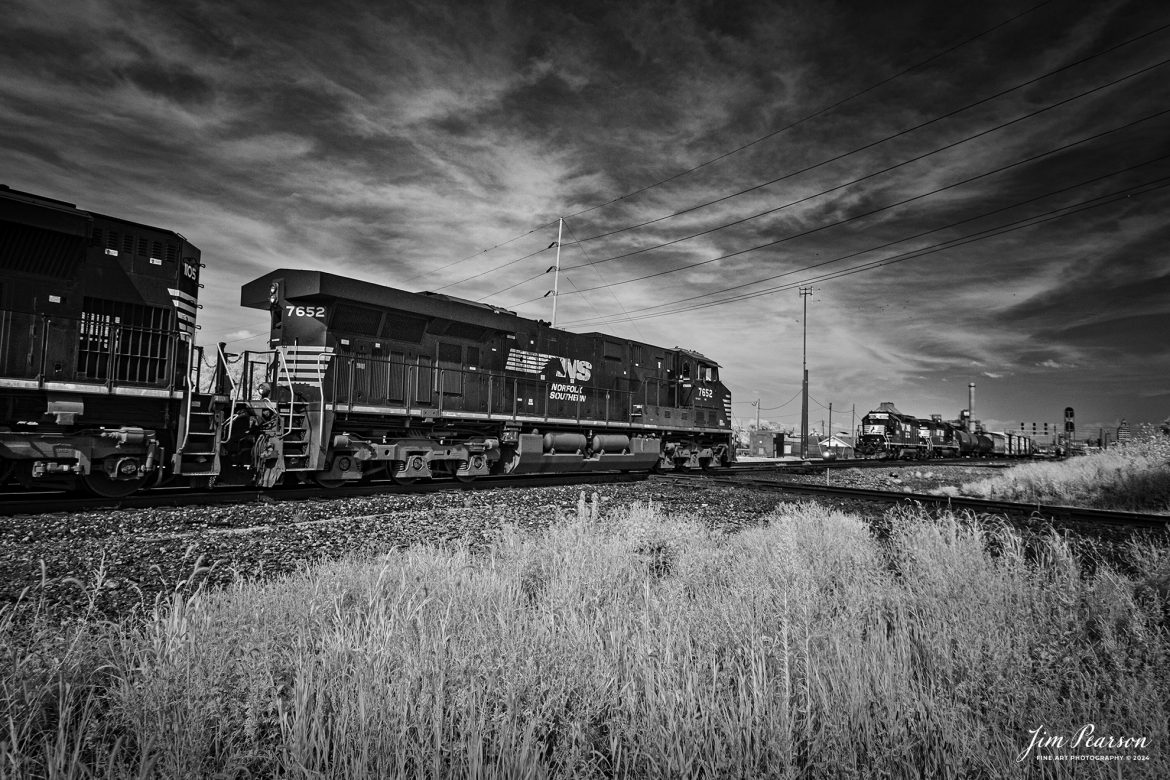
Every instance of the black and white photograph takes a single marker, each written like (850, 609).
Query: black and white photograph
(647, 389)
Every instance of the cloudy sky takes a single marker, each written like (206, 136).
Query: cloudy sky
(975, 192)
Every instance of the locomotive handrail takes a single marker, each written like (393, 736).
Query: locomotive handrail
(186, 421)
(112, 359)
(236, 390)
(44, 349)
(349, 392)
(282, 367)
(321, 358)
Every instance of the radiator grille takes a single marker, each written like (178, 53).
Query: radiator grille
(124, 342)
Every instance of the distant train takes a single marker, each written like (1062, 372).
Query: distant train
(100, 376)
(888, 433)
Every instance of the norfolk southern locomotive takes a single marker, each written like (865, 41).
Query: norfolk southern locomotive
(100, 378)
(888, 433)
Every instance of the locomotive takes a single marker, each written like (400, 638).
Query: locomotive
(888, 433)
(101, 383)
(96, 321)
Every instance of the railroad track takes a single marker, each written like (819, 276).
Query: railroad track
(820, 466)
(24, 503)
(46, 503)
(1067, 514)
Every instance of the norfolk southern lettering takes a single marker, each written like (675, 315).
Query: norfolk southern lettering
(563, 392)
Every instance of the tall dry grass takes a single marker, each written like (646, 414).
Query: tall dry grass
(1133, 477)
(621, 646)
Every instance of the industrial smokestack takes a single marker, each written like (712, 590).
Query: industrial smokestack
(971, 400)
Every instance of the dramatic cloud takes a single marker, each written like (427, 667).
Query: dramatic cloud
(975, 192)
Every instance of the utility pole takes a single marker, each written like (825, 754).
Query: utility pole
(804, 293)
(557, 273)
(756, 403)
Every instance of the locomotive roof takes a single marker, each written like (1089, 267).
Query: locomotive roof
(46, 213)
(310, 285)
(302, 284)
(58, 215)
(696, 355)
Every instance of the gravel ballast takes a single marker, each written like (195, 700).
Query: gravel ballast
(107, 563)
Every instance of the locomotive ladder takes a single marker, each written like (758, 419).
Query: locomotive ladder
(199, 440)
(295, 438)
(294, 418)
(199, 455)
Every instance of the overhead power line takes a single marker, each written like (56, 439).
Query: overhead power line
(816, 114)
(766, 136)
(593, 321)
(472, 256)
(888, 206)
(1054, 214)
(498, 267)
(945, 147)
(878, 143)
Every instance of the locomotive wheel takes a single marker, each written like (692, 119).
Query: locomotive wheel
(372, 473)
(394, 467)
(6, 468)
(99, 484)
(327, 483)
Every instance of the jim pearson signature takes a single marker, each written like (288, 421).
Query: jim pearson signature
(1084, 738)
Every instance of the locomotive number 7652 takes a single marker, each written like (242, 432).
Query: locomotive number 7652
(305, 311)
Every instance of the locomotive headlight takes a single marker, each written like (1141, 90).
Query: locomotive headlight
(274, 293)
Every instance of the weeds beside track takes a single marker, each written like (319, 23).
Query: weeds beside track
(617, 645)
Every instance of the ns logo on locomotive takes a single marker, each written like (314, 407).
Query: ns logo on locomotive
(102, 386)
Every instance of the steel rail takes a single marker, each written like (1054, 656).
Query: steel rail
(20, 502)
(167, 497)
(1052, 511)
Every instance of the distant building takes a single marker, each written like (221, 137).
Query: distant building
(767, 444)
(837, 445)
(1123, 434)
